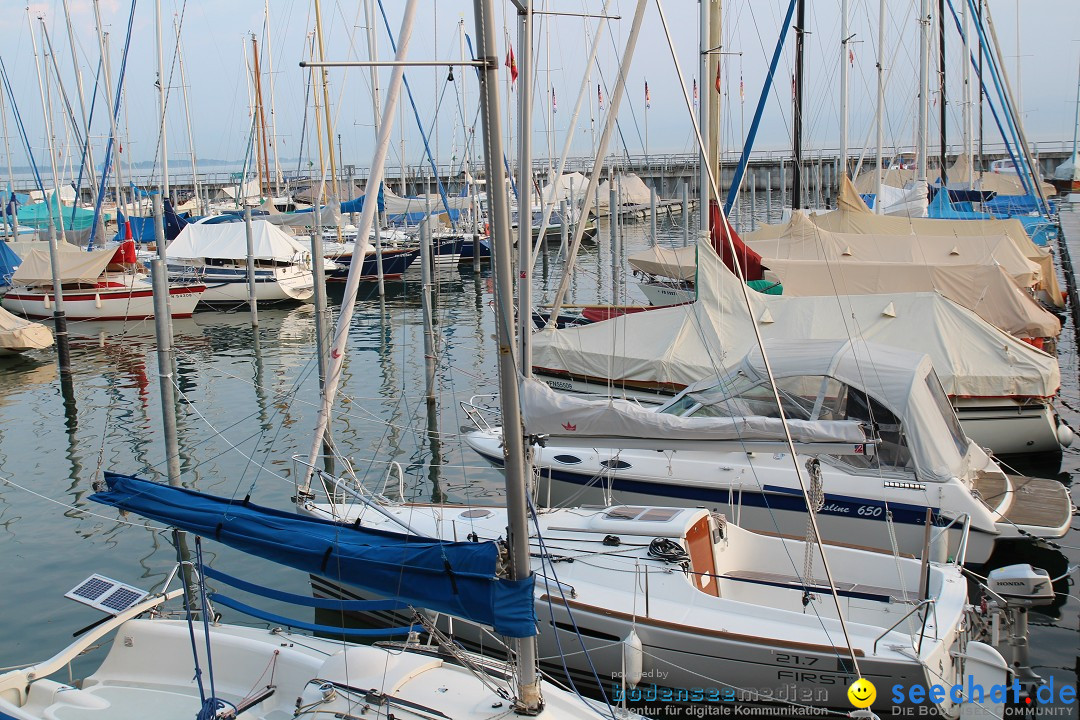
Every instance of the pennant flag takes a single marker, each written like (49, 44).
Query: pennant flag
(554, 102)
(695, 92)
(648, 100)
(599, 96)
(851, 56)
(717, 83)
(742, 89)
(512, 64)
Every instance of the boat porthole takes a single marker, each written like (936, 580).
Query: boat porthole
(475, 514)
(568, 459)
(615, 464)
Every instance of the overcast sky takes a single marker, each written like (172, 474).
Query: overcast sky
(216, 46)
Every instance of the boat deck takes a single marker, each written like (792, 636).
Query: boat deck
(1041, 502)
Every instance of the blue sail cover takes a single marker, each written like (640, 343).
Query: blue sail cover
(1039, 229)
(457, 578)
(8, 262)
(356, 205)
(142, 228)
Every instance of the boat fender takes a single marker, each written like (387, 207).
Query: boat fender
(1065, 434)
(633, 655)
(48, 302)
(97, 300)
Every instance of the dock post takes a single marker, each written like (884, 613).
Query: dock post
(252, 299)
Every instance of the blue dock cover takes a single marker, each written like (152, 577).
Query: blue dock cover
(458, 578)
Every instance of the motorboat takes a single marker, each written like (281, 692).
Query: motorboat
(920, 463)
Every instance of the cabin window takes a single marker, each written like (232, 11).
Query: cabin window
(892, 453)
(956, 432)
(615, 464)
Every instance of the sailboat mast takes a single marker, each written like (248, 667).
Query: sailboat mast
(325, 82)
(161, 103)
(845, 71)
(924, 89)
(104, 49)
(85, 121)
(264, 171)
(879, 120)
(941, 94)
(797, 115)
(524, 288)
(965, 80)
(187, 119)
(1076, 134)
(517, 466)
(273, 119)
(705, 46)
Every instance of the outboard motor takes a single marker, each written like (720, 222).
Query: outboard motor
(1011, 591)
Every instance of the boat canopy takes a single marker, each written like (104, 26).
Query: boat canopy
(679, 345)
(547, 412)
(458, 578)
(929, 436)
(985, 289)
(9, 260)
(76, 266)
(852, 216)
(228, 241)
(143, 230)
(802, 239)
(561, 188)
(680, 263)
(632, 190)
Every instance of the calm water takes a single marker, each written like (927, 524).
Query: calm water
(248, 404)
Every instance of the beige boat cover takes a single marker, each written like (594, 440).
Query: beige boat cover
(801, 239)
(866, 182)
(680, 263)
(1001, 183)
(682, 344)
(19, 335)
(852, 216)
(985, 289)
(75, 267)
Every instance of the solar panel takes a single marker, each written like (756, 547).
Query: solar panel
(105, 594)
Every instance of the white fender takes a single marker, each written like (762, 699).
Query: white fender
(633, 654)
(97, 300)
(1065, 434)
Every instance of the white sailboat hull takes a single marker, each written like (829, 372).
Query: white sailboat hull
(228, 283)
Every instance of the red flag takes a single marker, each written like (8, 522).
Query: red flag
(599, 96)
(695, 92)
(717, 83)
(648, 100)
(554, 102)
(851, 56)
(512, 64)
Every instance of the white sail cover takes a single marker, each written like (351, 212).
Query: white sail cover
(18, 334)
(397, 205)
(76, 266)
(909, 201)
(228, 241)
(852, 216)
(560, 189)
(680, 263)
(680, 345)
(546, 412)
(985, 289)
(802, 239)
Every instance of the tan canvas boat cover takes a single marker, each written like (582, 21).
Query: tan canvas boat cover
(18, 334)
(852, 216)
(985, 289)
(680, 263)
(1001, 183)
(683, 344)
(866, 182)
(75, 267)
(801, 239)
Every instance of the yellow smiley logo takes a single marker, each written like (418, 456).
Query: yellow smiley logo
(862, 693)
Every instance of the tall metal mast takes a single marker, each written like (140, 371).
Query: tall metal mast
(797, 115)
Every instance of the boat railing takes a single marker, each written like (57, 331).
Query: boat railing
(965, 532)
(928, 606)
(476, 412)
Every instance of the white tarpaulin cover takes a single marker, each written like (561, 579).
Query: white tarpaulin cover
(985, 289)
(228, 241)
(560, 189)
(546, 412)
(397, 205)
(683, 344)
(801, 239)
(908, 201)
(852, 216)
(330, 216)
(898, 379)
(18, 334)
(631, 190)
(680, 263)
(75, 267)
